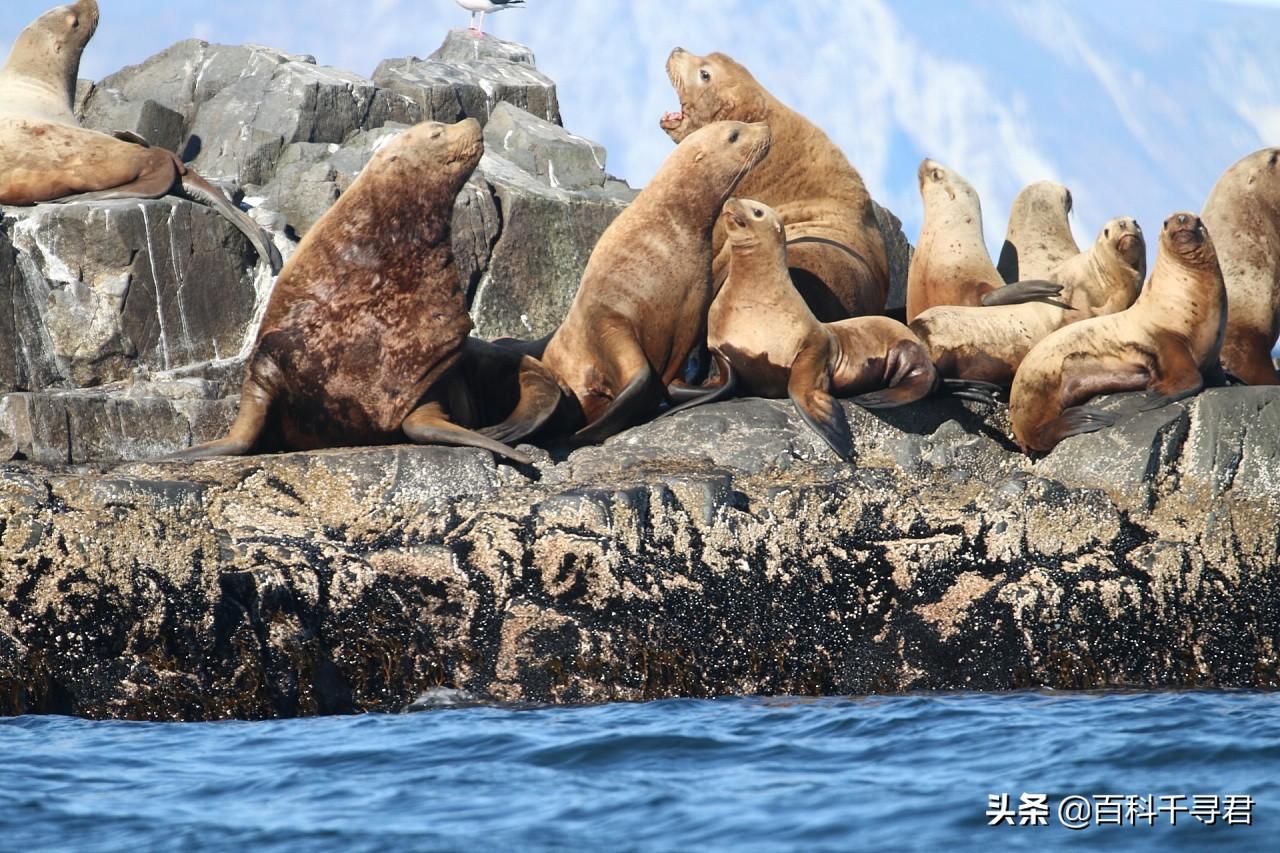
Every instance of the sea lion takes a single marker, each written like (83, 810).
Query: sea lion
(988, 344)
(951, 265)
(838, 259)
(642, 306)
(1039, 236)
(777, 348)
(1168, 342)
(1243, 214)
(45, 156)
(369, 318)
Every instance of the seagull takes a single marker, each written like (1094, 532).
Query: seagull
(481, 7)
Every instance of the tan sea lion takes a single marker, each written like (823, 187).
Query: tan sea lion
(45, 156)
(951, 265)
(368, 319)
(642, 306)
(988, 344)
(1039, 236)
(777, 348)
(1243, 214)
(838, 256)
(1168, 342)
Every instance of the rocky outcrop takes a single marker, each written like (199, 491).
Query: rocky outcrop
(720, 552)
(99, 300)
(469, 77)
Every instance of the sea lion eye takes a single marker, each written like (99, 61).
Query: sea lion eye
(705, 75)
(733, 137)
(759, 213)
(937, 174)
(1106, 233)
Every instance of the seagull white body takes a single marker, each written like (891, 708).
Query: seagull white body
(479, 8)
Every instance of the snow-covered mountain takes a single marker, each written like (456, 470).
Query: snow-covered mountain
(1138, 107)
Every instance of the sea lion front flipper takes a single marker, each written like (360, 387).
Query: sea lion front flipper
(808, 388)
(428, 425)
(255, 403)
(910, 374)
(688, 397)
(640, 397)
(1076, 421)
(1025, 291)
(201, 190)
(540, 398)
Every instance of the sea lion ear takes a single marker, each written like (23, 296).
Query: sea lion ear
(700, 157)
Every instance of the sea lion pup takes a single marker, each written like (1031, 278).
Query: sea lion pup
(642, 305)
(838, 258)
(45, 156)
(951, 265)
(1167, 343)
(988, 344)
(777, 348)
(1039, 236)
(369, 318)
(1243, 214)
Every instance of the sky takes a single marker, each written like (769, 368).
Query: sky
(1137, 106)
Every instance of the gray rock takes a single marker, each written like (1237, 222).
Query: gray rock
(100, 289)
(546, 238)
(545, 150)
(242, 105)
(75, 427)
(468, 77)
(898, 250)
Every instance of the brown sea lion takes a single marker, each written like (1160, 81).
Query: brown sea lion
(1243, 214)
(1039, 236)
(1168, 342)
(642, 306)
(45, 156)
(368, 319)
(951, 265)
(838, 258)
(988, 344)
(777, 348)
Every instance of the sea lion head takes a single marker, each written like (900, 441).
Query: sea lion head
(751, 223)
(1186, 239)
(433, 158)
(1262, 170)
(941, 186)
(720, 155)
(711, 88)
(1124, 238)
(1043, 199)
(49, 49)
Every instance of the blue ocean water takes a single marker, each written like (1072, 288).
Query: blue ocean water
(894, 774)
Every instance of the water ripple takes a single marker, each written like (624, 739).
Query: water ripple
(880, 773)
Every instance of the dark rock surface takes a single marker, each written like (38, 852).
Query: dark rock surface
(720, 552)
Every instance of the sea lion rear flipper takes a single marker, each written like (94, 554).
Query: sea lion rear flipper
(639, 398)
(808, 389)
(130, 136)
(983, 393)
(688, 397)
(1025, 291)
(540, 398)
(201, 190)
(428, 425)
